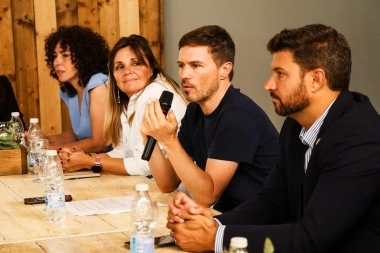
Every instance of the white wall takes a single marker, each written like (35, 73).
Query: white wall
(252, 23)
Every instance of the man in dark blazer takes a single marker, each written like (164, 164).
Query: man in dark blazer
(324, 193)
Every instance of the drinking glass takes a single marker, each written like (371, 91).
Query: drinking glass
(38, 148)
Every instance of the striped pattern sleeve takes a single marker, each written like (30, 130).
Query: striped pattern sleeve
(219, 237)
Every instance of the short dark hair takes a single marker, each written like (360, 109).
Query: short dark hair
(317, 46)
(221, 45)
(89, 52)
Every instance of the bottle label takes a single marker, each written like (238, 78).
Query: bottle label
(142, 243)
(55, 200)
(31, 160)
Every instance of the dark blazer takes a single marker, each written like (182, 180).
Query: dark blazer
(8, 102)
(335, 206)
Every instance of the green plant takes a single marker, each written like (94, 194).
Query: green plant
(8, 138)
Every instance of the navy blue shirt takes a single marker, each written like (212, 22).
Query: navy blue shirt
(237, 130)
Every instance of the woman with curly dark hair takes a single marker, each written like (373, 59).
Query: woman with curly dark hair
(77, 58)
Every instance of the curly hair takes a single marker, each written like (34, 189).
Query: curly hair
(89, 53)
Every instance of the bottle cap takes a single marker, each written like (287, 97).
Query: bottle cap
(142, 187)
(239, 242)
(51, 152)
(33, 120)
(15, 114)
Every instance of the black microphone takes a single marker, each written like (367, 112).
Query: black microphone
(165, 103)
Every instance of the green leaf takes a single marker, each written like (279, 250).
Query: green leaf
(7, 142)
(10, 129)
(268, 246)
(6, 137)
(11, 145)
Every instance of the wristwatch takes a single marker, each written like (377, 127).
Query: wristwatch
(97, 168)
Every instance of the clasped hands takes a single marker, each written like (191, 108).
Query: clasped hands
(74, 159)
(192, 226)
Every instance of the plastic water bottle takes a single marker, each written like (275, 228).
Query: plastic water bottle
(238, 245)
(18, 135)
(34, 132)
(143, 220)
(51, 175)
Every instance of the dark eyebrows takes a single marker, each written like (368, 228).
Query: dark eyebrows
(278, 69)
(196, 62)
(191, 62)
(64, 51)
(132, 59)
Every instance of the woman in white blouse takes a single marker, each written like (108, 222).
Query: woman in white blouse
(135, 79)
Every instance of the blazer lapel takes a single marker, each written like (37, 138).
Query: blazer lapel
(313, 170)
(294, 153)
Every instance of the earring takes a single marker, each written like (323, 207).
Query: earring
(118, 95)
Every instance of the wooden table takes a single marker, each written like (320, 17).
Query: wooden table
(24, 228)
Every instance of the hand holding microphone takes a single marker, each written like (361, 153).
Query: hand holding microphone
(165, 103)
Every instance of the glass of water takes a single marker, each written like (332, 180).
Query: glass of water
(38, 148)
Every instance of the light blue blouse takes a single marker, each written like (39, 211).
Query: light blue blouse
(80, 120)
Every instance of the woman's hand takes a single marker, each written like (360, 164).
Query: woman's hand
(74, 159)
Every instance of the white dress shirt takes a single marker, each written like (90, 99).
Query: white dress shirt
(131, 144)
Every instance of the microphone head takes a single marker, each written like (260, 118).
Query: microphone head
(166, 100)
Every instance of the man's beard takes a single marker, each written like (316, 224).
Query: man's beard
(296, 102)
(204, 95)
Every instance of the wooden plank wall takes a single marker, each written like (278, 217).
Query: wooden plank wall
(24, 25)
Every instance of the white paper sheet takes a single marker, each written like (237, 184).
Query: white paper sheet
(101, 206)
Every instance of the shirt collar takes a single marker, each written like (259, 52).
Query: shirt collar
(308, 136)
(133, 99)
